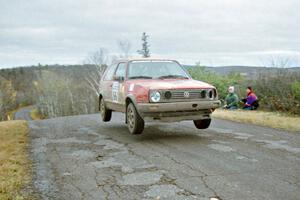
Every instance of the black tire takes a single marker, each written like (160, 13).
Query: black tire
(135, 123)
(202, 123)
(105, 113)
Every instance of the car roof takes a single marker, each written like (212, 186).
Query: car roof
(143, 59)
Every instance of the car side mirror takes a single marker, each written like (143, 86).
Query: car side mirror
(118, 78)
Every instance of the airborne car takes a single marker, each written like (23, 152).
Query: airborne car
(155, 89)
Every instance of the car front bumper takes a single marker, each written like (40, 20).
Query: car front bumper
(177, 111)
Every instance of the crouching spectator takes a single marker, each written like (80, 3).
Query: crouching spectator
(231, 100)
(251, 102)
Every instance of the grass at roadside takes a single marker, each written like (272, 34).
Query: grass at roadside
(11, 114)
(269, 119)
(35, 114)
(14, 162)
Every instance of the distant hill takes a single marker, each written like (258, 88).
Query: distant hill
(79, 71)
(250, 72)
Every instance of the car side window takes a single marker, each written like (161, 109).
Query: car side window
(108, 76)
(121, 71)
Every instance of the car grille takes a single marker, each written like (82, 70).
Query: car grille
(183, 95)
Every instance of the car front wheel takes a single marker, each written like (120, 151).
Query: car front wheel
(105, 113)
(134, 121)
(202, 123)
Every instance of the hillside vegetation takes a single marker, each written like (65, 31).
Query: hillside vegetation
(277, 91)
(55, 90)
(66, 90)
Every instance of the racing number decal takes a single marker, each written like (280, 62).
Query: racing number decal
(115, 91)
(131, 87)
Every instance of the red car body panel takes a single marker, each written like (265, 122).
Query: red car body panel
(142, 87)
(137, 91)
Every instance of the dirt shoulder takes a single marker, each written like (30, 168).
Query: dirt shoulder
(268, 119)
(14, 161)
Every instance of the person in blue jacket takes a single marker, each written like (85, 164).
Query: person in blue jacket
(251, 102)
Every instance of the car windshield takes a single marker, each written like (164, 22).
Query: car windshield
(155, 70)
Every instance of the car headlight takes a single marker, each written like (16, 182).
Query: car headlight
(210, 94)
(154, 96)
(215, 94)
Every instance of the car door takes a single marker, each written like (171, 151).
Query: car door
(106, 84)
(118, 87)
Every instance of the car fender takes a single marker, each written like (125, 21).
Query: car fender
(100, 96)
(130, 97)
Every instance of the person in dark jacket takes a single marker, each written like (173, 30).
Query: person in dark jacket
(251, 102)
(231, 100)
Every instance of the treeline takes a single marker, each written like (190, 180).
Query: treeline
(56, 90)
(7, 98)
(279, 91)
(59, 90)
(15, 89)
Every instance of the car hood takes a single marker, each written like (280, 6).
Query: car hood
(168, 84)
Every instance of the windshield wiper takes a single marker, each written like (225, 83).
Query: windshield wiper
(172, 76)
(140, 77)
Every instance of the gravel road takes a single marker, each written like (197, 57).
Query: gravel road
(80, 157)
(23, 113)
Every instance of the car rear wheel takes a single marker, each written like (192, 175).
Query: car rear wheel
(202, 123)
(134, 121)
(105, 113)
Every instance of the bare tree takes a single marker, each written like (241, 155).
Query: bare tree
(113, 59)
(98, 59)
(93, 81)
(125, 47)
(277, 61)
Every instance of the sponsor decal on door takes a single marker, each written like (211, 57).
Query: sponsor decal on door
(115, 91)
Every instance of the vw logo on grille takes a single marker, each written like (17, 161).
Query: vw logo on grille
(186, 94)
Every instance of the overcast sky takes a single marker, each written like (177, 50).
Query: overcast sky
(218, 32)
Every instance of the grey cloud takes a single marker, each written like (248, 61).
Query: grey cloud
(217, 32)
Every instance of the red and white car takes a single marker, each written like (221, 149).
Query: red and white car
(155, 89)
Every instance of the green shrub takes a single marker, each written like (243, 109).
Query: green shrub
(220, 82)
(296, 89)
(276, 92)
(279, 92)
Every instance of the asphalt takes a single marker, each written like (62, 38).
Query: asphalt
(23, 113)
(80, 157)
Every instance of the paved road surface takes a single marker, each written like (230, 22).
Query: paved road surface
(23, 113)
(82, 158)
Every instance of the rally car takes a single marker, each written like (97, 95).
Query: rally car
(155, 89)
